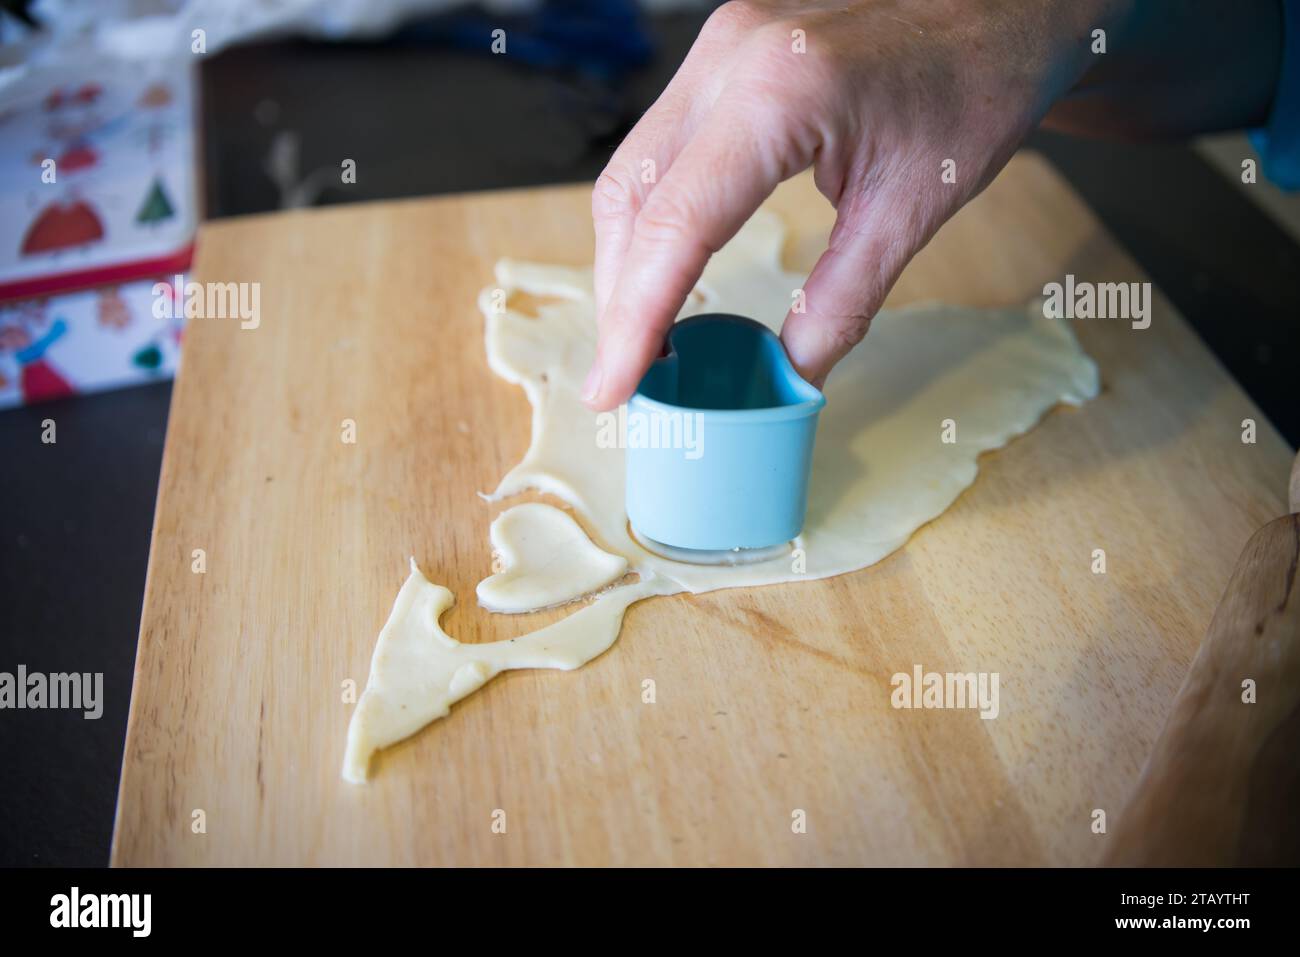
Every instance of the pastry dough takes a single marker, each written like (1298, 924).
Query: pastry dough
(548, 558)
(419, 671)
(907, 415)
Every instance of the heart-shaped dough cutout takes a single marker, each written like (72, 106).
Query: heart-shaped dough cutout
(547, 560)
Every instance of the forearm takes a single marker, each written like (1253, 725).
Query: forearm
(1179, 67)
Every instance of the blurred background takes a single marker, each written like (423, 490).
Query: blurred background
(152, 136)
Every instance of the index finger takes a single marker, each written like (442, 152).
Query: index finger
(717, 182)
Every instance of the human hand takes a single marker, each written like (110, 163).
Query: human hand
(880, 97)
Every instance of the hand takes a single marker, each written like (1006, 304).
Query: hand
(878, 97)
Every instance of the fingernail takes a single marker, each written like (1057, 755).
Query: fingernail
(592, 386)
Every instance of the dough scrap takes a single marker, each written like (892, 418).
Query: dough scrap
(419, 671)
(548, 558)
(881, 466)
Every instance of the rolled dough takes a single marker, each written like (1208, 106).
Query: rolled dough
(907, 415)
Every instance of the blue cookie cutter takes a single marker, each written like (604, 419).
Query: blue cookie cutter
(719, 443)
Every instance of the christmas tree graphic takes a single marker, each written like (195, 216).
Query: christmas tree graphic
(157, 206)
(150, 357)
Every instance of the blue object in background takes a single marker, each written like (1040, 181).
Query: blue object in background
(604, 39)
(1279, 142)
(741, 422)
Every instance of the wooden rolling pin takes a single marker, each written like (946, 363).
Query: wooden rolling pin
(1222, 784)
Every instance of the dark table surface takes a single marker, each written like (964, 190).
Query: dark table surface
(421, 117)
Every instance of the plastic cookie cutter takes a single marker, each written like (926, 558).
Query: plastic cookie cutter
(719, 440)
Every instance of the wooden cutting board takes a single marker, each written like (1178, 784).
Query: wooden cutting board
(768, 701)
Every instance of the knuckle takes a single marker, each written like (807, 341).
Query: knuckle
(847, 331)
(666, 218)
(734, 18)
(823, 67)
(614, 196)
(826, 64)
(792, 85)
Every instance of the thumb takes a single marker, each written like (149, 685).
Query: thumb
(872, 241)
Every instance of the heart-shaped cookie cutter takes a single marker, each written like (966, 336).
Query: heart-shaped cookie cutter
(719, 442)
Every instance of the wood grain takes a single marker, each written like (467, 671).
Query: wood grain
(768, 700)
(1222, 784)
